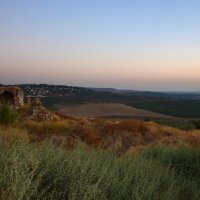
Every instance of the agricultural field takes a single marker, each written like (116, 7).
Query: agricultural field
(108, 109)
(172, 105)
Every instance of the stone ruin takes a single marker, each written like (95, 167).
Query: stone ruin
(39, 112)
(12, 95)
(15, 96)
(34, 101)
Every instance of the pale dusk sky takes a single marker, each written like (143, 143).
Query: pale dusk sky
(126, 44)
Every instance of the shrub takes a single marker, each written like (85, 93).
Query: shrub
(8, 115)
(196, 123)
(32, 171)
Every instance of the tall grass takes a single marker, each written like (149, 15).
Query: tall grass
(183, 159)
(42, 171)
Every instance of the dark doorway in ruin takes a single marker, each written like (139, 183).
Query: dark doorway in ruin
(7, 98)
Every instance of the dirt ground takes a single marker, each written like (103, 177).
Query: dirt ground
(107, 109)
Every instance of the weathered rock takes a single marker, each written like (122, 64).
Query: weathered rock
(13, 96)
(40, 113)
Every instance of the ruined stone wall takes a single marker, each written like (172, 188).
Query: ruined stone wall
(40, 113)
(18, 96)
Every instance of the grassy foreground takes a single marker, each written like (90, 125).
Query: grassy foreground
(97, 159)
(43, 171)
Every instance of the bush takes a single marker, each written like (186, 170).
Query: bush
(41, 171)
(8, 115)
(196, 123)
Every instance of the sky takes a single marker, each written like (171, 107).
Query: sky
(125, 44)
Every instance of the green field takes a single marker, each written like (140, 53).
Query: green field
(179, 108)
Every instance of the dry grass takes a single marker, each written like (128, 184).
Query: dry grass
(8, 134)
(118, 136)
(126, 135)
(60, 132)
(35, 169)
(49, 127)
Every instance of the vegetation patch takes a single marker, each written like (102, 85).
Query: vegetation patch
(8, 115)
(178, 108)
(32, 171)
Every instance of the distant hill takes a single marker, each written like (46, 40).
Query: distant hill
(45, 90)
(168, 94)
(179, 104)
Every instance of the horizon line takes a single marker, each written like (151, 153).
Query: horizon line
(111, 88)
